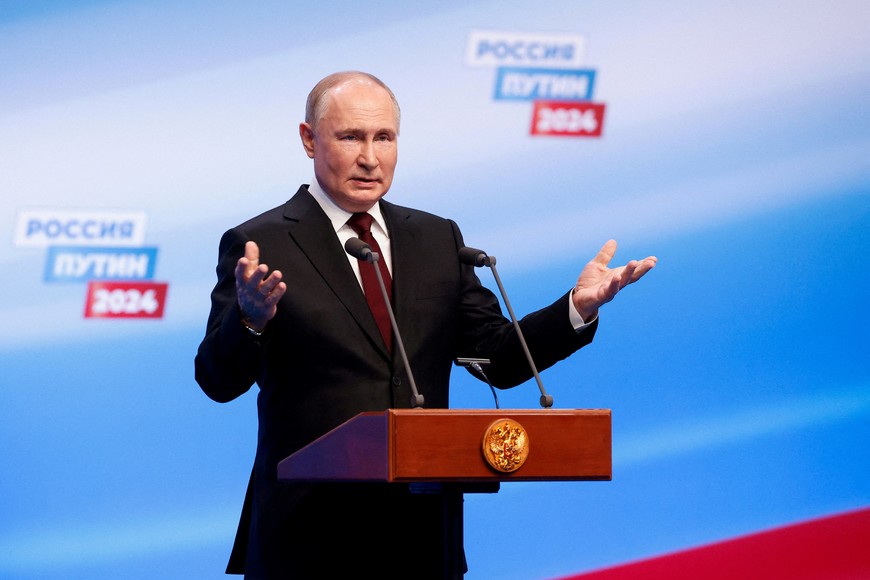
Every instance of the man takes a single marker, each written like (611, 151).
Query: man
(288, 312)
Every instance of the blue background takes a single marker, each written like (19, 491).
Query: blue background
(736, 148)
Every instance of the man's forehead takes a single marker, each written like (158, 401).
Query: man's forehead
(351, 94)
(352, 109)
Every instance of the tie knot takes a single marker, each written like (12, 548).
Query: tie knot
(360, 222)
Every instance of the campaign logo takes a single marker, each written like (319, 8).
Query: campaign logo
(80, 264)
(46, 227)
(567, 118)
(494, 48)
(530, 84)
(125, 299)
(103, 248)
(546, 69)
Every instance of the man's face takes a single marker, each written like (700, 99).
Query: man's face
(354, 145)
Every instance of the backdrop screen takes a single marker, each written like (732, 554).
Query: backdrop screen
(731, 140)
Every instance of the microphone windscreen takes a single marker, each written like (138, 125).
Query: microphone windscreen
(472, 257)
(358, 249)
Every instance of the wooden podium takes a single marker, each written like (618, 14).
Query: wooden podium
(446, 445)
(444, 450)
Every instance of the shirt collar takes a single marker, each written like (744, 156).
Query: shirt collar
(339, 216)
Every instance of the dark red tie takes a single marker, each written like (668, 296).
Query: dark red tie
(362, 225)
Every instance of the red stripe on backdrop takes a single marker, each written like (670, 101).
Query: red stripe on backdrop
(834, 547)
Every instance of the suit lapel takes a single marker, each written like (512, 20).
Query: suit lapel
(403, 240)
(312, 232)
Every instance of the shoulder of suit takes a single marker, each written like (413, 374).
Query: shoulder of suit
(394, 211)
(290, 209)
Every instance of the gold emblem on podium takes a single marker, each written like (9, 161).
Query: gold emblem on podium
(505, 445)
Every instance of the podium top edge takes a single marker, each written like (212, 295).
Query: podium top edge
(490, 412)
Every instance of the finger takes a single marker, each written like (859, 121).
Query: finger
(628, 274)
(248, 282)
(257, 275)
(252, 257)
(613, 286)
(267, 305)
(605, 254)
(271, 282)
(249, 262)
(643, 267)
(275, 295)
(252, 252)
(241, 269)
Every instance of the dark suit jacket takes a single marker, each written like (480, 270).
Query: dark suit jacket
(321, 361)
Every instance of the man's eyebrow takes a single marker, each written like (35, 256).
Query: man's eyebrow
(361, 131)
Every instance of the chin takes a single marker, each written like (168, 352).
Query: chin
(367, 199)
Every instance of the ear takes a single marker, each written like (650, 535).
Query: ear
(306, 133)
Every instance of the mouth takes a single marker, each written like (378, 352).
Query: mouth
(365, 181)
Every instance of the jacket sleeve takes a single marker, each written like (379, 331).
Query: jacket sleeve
(228, 358)
(487, 333)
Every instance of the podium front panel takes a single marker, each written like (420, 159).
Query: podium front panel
(446, 445)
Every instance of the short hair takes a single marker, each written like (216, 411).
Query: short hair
(315, 106)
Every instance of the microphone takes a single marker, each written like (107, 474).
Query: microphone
(478, 258)
(477, 365)
(475, 257)
(362, 251)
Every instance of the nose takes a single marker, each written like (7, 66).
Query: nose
(367, 155)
